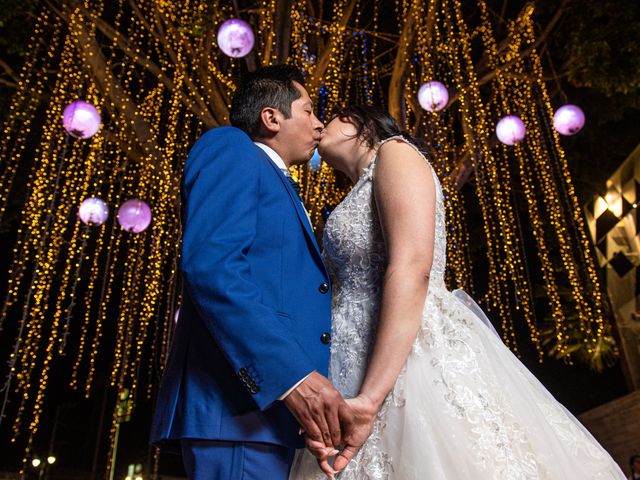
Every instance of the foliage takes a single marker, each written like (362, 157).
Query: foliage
(602, 45)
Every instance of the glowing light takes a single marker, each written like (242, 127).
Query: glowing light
(134, 216)
(315, 161)
(93, 211)
(510, 130)
(235, 38)
(81, 119)
(433, 96)
(568, 120)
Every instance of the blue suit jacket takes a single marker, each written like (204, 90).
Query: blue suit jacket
(256, 301)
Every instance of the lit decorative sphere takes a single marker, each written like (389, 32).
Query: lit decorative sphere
(433, 96)
(510, 130)
(134, 216)
(81, 119)
(568, 120)
(93, 211)
(235, 38)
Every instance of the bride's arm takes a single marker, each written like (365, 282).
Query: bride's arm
(405, 195)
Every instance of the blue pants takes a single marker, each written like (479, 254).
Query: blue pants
(219, 460)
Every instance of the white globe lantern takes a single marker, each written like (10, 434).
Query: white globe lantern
(235, 38)
(433, 96)
(510, 130)
(93, 211)
(81, 119)
(568, 120)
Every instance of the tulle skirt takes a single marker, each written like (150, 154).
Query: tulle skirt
(464, 407)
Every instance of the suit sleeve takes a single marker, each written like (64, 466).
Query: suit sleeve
(221, 198)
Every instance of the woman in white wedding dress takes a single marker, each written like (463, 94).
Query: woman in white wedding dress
(440, 394)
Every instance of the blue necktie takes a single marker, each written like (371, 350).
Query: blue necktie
(295, 185)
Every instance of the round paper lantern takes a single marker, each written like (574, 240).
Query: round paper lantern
(510, 130)
(134, 216)
(81, 119)
(433, 96)
(568, 120)
(235, 38)
(93, 211)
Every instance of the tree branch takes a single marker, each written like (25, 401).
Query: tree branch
(9, 73)
(325, 58)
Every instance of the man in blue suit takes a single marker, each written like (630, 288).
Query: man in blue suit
(248, 364)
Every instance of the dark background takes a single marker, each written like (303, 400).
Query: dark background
(591, 60)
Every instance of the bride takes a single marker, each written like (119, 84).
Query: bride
(436, 393)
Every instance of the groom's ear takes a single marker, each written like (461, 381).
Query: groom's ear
(271, 118)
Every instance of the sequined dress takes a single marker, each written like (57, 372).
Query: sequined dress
(463, 407)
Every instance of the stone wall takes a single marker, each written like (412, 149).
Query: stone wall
(616, 425)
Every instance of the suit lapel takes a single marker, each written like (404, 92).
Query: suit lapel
(302, 214)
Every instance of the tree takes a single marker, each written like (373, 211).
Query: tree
(158, 78)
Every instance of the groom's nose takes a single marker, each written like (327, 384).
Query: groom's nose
(317, 124)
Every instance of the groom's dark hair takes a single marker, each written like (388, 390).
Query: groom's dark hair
(266, 87)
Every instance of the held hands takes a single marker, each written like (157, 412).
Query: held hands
(316, 405)
(357, 422)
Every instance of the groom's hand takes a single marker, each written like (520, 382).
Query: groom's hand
(316, 405)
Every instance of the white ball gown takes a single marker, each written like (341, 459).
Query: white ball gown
(463, 407)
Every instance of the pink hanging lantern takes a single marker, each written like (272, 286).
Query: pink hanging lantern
(568, 120)
(134, 216)
(81, 119)
(93, 211)
(235, 38)
(510, 130)
(433, 96)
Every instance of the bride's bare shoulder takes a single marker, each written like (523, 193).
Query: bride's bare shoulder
(399, 153)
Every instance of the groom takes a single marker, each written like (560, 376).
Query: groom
(247, 368)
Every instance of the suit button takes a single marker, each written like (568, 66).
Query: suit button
(325, 338)
(324, 288)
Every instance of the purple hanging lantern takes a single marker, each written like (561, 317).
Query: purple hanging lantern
(81, 119)
(433, 96)
(134, 216)
(93, 211)
(510, 130)
(568, 120)
(235, 38)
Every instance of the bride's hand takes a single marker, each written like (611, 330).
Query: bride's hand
(356, 432)
(322, 454)
(356, 425)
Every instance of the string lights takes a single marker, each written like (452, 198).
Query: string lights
(154, 73)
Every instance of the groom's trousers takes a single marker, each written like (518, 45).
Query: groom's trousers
(219, 460)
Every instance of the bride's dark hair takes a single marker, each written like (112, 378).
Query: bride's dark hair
(373, 124)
